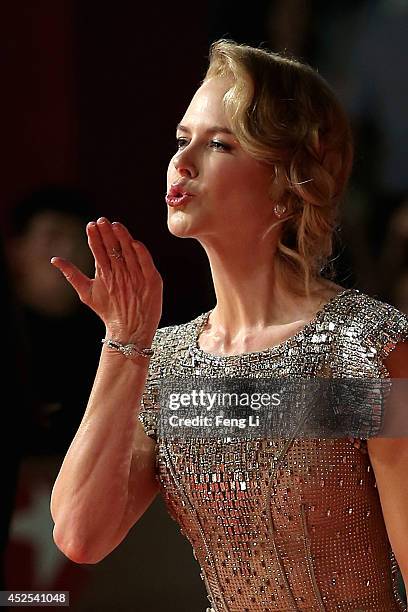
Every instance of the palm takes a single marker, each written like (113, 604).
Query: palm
(126, 292)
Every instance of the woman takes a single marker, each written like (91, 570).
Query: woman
(264, 154)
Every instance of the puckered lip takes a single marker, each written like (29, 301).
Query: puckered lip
(179, 189)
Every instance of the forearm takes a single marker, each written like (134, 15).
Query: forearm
(90, 495)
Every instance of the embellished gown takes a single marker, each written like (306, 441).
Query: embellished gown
(282, 524)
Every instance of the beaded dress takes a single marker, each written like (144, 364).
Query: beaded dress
(285, 524)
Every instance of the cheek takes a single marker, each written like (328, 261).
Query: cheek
(253, 183)
(244, 191)
(224, 177)
(236, 183)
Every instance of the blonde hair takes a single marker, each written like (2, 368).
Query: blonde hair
(285, 114)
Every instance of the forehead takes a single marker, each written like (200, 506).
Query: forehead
(53, 220)
(207, 103)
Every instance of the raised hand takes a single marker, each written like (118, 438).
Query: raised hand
(127, 290)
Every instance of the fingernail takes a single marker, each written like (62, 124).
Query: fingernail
(53, 259)
(91, 224)
(115, 224)
(102, 220)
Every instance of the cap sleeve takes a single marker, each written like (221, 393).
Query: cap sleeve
(385, 327)
(388, 330)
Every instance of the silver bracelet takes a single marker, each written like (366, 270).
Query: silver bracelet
(129, 350)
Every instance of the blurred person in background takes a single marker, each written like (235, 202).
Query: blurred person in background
(59, 333)
(360, 47)
(14, 410)
(375, 92)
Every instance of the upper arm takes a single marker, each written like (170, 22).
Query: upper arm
(389, 459)
(396, 361)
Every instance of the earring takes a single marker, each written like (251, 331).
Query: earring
(279, 209)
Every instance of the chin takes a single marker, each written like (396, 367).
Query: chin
(179, 224)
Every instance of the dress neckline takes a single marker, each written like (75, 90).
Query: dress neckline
(203, 318)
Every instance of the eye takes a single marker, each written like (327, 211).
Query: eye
(219, 146)
(181, 142)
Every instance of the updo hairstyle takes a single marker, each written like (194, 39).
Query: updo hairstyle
(284, 113)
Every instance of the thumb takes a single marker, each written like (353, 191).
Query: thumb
(79, 281)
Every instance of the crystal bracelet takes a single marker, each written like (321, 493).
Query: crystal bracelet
(129, 350)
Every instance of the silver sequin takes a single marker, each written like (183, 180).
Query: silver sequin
(284, 524)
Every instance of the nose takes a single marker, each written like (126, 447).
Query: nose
(184, 164)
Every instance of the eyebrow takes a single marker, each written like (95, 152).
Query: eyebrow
(210, 130)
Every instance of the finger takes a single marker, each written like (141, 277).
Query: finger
(97, 246)
(145, 259)
(129, 254)
(79, 281)
(110, 241)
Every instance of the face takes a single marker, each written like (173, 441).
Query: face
(50, 233)
(229, 189)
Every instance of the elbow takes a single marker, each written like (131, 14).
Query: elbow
(75, 551)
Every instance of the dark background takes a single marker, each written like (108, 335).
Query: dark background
(93, 95)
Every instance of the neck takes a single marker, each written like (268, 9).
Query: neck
(249, 297)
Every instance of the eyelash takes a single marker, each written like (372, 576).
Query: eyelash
(216, 144)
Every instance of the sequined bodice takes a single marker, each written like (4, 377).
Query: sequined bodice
(282, 524)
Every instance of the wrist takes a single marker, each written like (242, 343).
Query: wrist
(116, 357)
(142, 339)
(130, 350)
